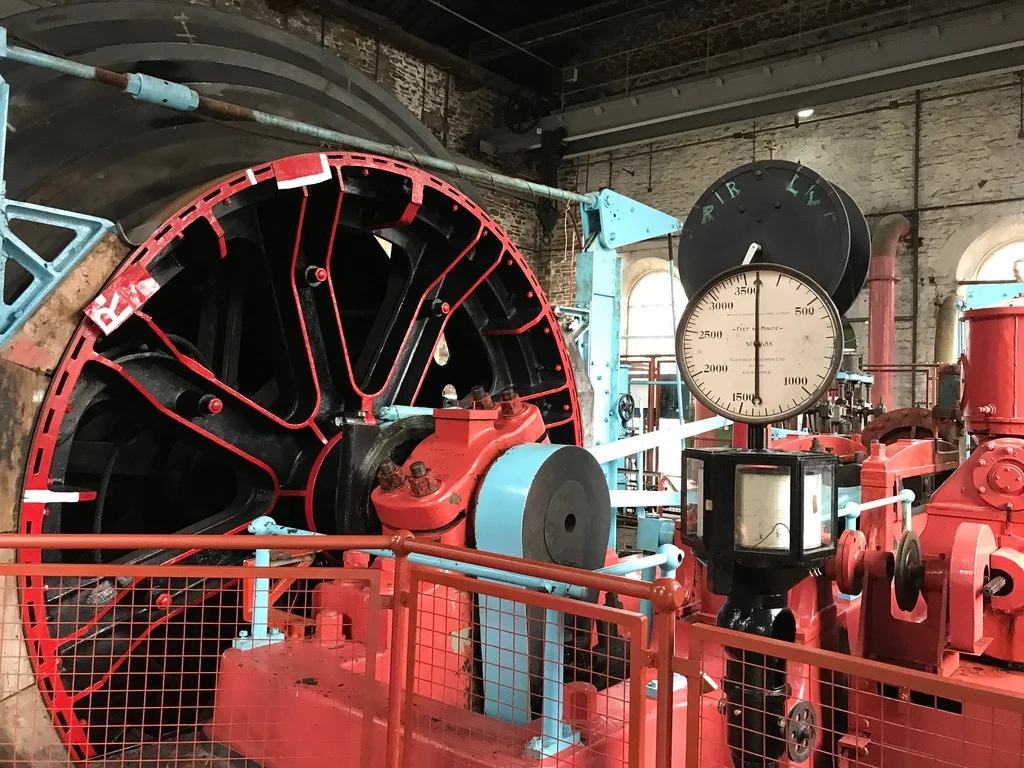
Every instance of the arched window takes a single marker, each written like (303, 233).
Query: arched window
(649, 326)
(1002, 265)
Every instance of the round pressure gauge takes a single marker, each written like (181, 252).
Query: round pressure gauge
(760, 343)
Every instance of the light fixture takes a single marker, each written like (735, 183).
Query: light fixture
(803, 114)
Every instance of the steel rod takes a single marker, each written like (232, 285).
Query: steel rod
(665, 437)
(184, 99)
(494, 574)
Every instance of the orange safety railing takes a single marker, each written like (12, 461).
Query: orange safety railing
(840, 710)
(159, 664)
(404, 665)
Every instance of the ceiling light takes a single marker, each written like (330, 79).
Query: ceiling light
(803, 114)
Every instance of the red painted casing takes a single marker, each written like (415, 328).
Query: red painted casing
(988, 489)
(464, 445)
(992, 384)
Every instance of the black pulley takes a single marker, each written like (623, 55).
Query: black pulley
(786, 213)
(856, 274)
(908, 573)
(567, 515)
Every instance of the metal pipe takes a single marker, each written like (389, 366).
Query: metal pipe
(184, 99)
(675, 323)
(882, 303)
(622, 499)
(494, 574)
(551, 709)
(261, 598)
(397, 412)
(915, 249)
(182, 541)
(670, 438)
(265, 526)
(626, 567)
(946, 330)
(557, 573)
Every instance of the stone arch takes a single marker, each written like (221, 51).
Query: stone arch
(964, 252)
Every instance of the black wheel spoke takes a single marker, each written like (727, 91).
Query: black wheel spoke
(254, 436)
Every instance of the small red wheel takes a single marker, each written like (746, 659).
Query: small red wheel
(849, 554)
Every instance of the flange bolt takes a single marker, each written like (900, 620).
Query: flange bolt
(390, 477)
(421, 480)
(481, 399)
(510, 405)
(315, 275)
(210, 404)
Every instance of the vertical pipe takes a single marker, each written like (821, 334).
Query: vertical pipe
(5, 97)
(261, 598)
(915, 249)
(665, 632)
(653, 411)
(399, 630)
(675, 322)
(946, 330)
(882, 304)
(694, 684)
(551, 709)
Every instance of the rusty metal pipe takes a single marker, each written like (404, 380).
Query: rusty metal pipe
(882, 303)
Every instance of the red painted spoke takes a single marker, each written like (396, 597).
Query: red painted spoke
(263, 443)
(198, 370)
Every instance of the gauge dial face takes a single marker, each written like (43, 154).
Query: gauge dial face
(759, 344)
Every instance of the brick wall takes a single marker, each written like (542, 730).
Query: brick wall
(971, 176)
(454, 110)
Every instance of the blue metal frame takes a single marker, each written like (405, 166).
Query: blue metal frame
(45, 275)
(506, 639)
(613, 221)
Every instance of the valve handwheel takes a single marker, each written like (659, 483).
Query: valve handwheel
(909, 571)
(801, 731)
(627, 409)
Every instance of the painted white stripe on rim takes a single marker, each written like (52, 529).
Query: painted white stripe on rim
(40, 496)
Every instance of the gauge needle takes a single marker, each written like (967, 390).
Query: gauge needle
(757, 339)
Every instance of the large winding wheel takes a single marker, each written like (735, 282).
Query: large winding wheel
(280, 307)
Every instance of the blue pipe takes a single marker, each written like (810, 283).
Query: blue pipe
(551, 709)
(261, 599)
(672, 299)
(528, 582)
(397, 412)
(184, 99)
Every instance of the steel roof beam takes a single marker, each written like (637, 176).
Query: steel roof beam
(981, 42)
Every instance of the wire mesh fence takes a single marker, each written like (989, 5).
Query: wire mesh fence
(312, 659)
(780, 704)
(543, 683)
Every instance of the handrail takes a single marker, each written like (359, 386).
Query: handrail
(402, 543)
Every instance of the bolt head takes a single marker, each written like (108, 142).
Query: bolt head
(211, 404)
(982, 489)
(418, 469)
